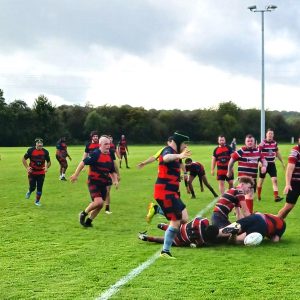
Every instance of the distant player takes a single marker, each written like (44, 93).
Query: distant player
(123, 151)
(232, 198)
(39, 163)
(292, 181)
(61, 156)
(101, 173)
(269, 149)
(196, 233)
(248, 158)
(268, 225)
(221, 157)
(196, 169)
(92, 145)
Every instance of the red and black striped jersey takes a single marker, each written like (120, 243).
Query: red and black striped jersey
(275, 225)
(168, 175)
(196, 168)
(101, 165)
(61, 149)
(269, 150)
(191, 232)
(222, 155)
(294, 158)
(248, 159)
(230, 199)
(90, 147)
(122, 146)
(37, 158)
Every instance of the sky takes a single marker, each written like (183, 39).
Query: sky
(170, 54)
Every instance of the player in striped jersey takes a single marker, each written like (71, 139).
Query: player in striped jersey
(269, 149)
(92, 145)
(221, 157)
(268, 225)
(102, 173)
(196, 233)
(167, 187)
(248, 158)
(232, 198)
(122, 150)
(292, 181)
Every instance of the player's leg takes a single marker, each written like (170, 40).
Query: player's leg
(98, 193)
(190, 184)
(107, 200)
(204, 179)
(126, 160)
(39, 188)
(32, 185)
(221, 186)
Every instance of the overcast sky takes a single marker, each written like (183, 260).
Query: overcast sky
(161, 54)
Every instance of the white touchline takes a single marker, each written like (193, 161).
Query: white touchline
(135, 272)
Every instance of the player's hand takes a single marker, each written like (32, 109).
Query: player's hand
(73, 178)
(29, 169)
(45, 169)
(263, 170)
(287, 189)
(141, 165)
(116, 184)
(185, 153)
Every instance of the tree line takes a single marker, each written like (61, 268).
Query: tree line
(20, 124)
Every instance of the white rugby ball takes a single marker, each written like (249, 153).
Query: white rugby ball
(253, 239)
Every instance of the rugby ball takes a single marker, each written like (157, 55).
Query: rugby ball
(253, 239)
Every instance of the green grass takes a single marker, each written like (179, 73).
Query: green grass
(46, 254)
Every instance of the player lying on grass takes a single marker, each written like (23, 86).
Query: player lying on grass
(196, 233)
(234, 198)
(268, 225)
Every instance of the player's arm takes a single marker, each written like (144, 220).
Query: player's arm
(79, 168)
(24, 161)
(244, 209)
(278, 155)
(230, 167)
(149, 160)
(115, 181)
(171, 157)
(288, 177)
(213, 165)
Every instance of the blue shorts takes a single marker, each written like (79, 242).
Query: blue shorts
(253, 223)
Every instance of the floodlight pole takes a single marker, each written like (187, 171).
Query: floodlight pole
(268, 8)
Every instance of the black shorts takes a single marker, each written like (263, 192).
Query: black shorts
(172, 206)
(219, 220)
(292, 196)
(271, 170)
(253, 223)
(195, 174)
(225, 178)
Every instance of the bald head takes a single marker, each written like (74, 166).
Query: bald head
(104, 144)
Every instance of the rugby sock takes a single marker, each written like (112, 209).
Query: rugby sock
(38, 196)
(275, 194)
(259, 188)
(158, 210)
(107, 207)
(170, 235)
(249, 203)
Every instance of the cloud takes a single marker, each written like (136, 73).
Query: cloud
(147, 52)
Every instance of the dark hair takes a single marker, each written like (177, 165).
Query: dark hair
(94, 132)
(188, 161)
(210, 233)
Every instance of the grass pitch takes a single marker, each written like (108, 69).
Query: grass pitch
(46, 254)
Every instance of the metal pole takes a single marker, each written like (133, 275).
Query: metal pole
(262, 111)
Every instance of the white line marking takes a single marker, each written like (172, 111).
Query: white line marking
(135, 272)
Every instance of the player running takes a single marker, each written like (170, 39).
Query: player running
(36, 169)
